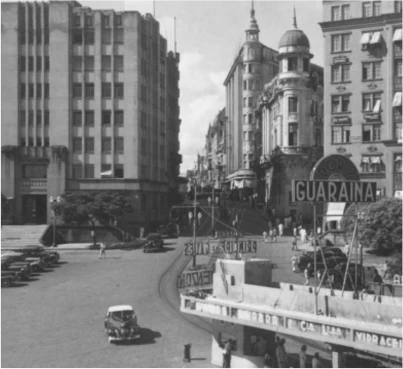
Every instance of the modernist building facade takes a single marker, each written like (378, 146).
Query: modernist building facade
(254, 65)
(290, 114)
(89, 103)
(363, 88)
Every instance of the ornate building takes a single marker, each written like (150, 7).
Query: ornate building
(254, 65)
(290, 114)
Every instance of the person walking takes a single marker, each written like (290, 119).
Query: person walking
(280, 229)
(316, 363)
(306, 274)
(102, 252)
(302, 357)
(274, 234)
(294, 261)
(227, 354)
(294, 244)
(265, 237)
(270, 234)
(281, 354)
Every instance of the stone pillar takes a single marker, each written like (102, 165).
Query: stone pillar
(337, 359)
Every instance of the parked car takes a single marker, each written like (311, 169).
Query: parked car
(37, 264)
(121, 323)
(15, 275)
(154, 243)
(10, 261)
(168, 231)
(52, 257)
(6, 280)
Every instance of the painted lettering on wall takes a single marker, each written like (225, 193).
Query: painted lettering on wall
(194, 279)
(228, 247)
(378, 340)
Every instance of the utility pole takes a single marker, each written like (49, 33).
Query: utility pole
(194, 224)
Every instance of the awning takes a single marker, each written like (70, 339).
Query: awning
(365, 160)
(397, 36)
(399, 194)
(397, 99)
(335, 211)
(375, 159)
(365, 38)
(398, 158)
(376, 38)
(377, 106)
(108, 173)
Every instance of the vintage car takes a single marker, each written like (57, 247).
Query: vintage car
(154, 243)
(6, 280)
(16, 276)
(37, 264)
(168, 231)
(8, 263)
(121, 323)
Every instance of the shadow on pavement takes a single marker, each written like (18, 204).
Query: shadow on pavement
(18, 284)
(46, 271)
(147, 336)
(32, 279)
(60, 263)
(197, 358)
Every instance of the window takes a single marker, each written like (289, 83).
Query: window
(106, 117)
(293, 105)
(106, 90)
(119, 35)
(372, 164)
(31, 118)
(340, 73)
(34, 171)
(398, 68)
(46, 119)
(371, 132)
(118, 20)
(398, 6)
(77, 145)
(22, 37)
(89, 171)
(77, 118)
(366, 10)
(89, 20)
(345, 12)
(77, 37)
(89, 63)
(371, 71)
(292, 64)
(336, 14)
(77, 63)
(30, 36)
(119, 64)
(38, 141)
(89, 36)
(119, 144)
(397, 119)
(22, 91)
(106, 62)
(89, 118)
(341, 43)
(77, 21)
(46, 143)
(340, 104)
(106, 171)
(106, 144)
(341, 134)
(293, 134)
(119, 171)
(119, 90)
(38, 90)
(77, 90)
(77, 171)
(46, 91)
(371, 102)
(89, 145)
(107, 36)
(377, 8)
(38, 63)
(106, 20)
(30, 63)
(119, 117)
(89, 90)
(22, 63)
(46, 63)
(31, 90)
(22, 117)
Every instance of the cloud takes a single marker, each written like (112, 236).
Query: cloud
(202, 97)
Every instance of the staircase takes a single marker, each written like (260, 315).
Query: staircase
(20, 235)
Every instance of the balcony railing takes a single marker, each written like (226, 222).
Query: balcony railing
(397, 83)
(295, 150)
(34, 184)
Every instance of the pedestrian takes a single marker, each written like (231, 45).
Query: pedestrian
(227, 354)
(271, 235)
(281, 354)
(377, 277)
(265, 237)
(316, 361)
(274, 235)
(295, 231)
(294, 261)
(268, 361)
(306, 274)
(302, 357)
(102, 253)
(280, 229)
(346, 249)
(294, 244)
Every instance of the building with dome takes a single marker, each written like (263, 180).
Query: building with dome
(290, 121)
(254, 65)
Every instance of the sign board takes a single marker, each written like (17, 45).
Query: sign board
(333, 191)
(378, 340)
(372, 117)
(340, 59)
(335, 166)
(227, 234)
(198, 278)
(341, 120)
(228, 247)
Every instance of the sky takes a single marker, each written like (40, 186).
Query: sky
(208, 36)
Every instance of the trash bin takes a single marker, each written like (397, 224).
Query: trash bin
(186, 353)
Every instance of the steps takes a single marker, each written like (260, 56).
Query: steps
(19, 235)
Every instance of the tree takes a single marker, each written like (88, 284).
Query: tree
(93, 208)
(380, 227)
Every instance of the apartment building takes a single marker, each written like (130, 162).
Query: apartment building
(254, 65)
(89, 103)
(363, 88)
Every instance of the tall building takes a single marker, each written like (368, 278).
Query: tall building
(290, 113)
(254, 65)
(363, 88)
(89, 103)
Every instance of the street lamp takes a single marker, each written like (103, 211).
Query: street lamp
(54, 205)
(93, 236)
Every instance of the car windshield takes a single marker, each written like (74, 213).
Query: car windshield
(123, 315)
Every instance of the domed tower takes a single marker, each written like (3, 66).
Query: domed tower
(294, 74)
(252, 85)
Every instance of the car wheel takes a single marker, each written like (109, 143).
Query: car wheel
(7, 283)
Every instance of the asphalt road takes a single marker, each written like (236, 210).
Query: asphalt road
(56, 320)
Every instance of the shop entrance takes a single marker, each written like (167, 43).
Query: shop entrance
(34, 209)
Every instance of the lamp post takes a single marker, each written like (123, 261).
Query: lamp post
(54, 205)
(194, 225)
(93, 236)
